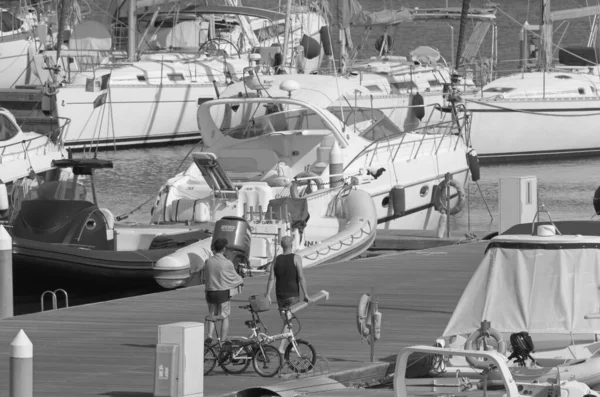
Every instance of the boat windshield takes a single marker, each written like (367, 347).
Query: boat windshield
(371, 124)
(68, 189)
(250, 120)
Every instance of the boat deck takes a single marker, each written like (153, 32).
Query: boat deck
(108, 348)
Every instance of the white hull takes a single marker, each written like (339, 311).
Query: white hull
(133, 115)
(529, 128)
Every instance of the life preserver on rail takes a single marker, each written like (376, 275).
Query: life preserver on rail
(363, 320)
(473, 163)
(469, 345)
(439, 197)
(295, 183)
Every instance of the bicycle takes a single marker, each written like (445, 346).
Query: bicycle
(211, 357)
(242, 349)
(266, 359)
(302, 362)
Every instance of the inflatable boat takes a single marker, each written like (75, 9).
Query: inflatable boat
(62, 240)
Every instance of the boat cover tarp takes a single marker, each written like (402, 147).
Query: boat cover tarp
(348, 13)
(90, 36)
(297, 209)
(542, 285)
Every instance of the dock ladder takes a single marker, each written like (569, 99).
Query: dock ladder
(54, 294)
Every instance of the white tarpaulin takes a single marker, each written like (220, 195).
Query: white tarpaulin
(537, 284)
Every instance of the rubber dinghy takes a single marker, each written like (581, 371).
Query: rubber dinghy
(62, 240)
(327, 226)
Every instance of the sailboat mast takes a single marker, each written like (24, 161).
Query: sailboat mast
(61, 28)
(461, 31)
(286, 38)
(131, 22)
(546, 27)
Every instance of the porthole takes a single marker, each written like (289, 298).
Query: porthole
(90, 224)
(424, 190)
(385, 202)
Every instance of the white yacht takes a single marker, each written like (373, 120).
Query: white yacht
(301, 135)
(23, 154)
(547, 109)
(154, 99)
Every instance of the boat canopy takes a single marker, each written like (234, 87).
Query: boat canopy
(542, 285)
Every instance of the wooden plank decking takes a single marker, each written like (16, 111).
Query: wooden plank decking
(107, 349)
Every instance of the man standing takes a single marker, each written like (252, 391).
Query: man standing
(221, 277)
(288, 276)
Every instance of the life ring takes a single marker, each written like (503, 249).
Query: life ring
(469, 345)
(363, 320)
(295, 183)
(439, 197)
(473, 162)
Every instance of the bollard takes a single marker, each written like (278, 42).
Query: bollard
(6, 274)
(21, 366)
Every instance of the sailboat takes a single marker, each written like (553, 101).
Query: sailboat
(546, 109)
(152, 98)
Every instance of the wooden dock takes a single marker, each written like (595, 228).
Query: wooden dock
(107, 349)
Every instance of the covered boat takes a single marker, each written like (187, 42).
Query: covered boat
(63, 240)
(534, 298)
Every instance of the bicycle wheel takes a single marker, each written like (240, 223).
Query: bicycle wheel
(210, 359)
(304, 359)
(239, 355)
(266, 361)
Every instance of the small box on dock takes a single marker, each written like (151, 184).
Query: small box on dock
(517, 201)
(189, 337)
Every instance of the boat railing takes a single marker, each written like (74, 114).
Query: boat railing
(52, 135)
(430, 131)
(497, 360)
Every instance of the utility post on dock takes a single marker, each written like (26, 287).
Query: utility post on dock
(21, 366)
(6, 275)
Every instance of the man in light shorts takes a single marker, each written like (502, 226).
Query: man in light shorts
(221, 277)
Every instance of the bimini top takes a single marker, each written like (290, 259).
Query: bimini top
(535, 284)
(318, 90)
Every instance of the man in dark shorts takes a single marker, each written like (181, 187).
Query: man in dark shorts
(221, 277)
(288, 276)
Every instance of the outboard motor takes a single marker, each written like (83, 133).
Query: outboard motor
(237, 232)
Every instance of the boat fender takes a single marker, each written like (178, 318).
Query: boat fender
(597, 201)
(295, 183)
(363, 320)
(48, 92)
(277, 63)
(418, 109)
(311, 47)
(326, 40)
(439, 197)
(469, 345)
(473, 163)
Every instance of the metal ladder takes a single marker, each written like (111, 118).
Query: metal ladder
(53, 294)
